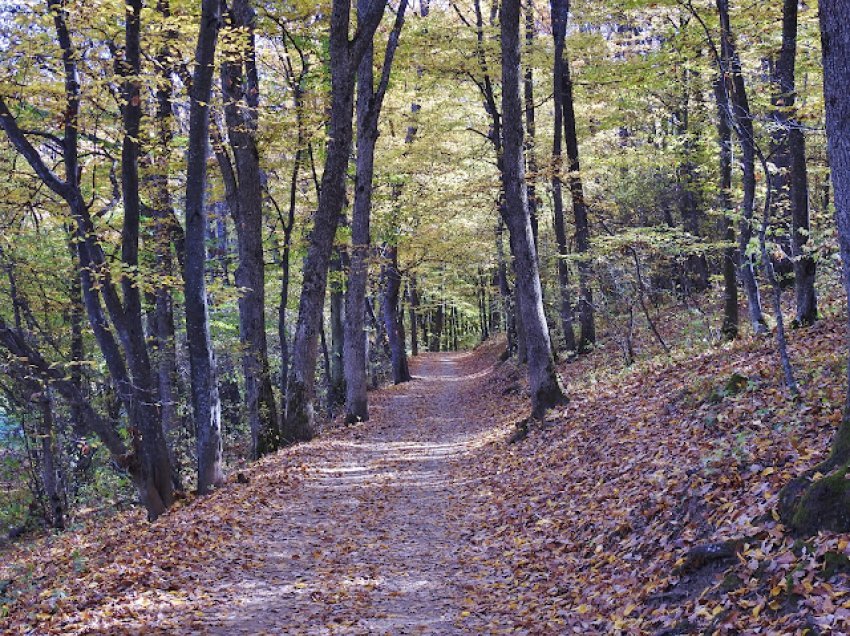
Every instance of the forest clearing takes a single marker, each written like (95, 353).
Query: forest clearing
(424, 316)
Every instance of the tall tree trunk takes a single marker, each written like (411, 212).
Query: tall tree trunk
(369, 102)
(391, 302)
(205, 399)
(356, 402)
(77, 342)
(455, 328)
(729, 328)
(345, 58)
(742, 120)
(481, 292)
(241, 92)
(326, 367)
(426, 325)
(790, 183)
(504, 288)
(152, 446)
(437, 329)
(288, 224)
(546, 390)
(167, 231)
(697, 276)
(835, 38)
(413, 304)
(393, 316)
(282, 328)
(530, 127)
(559, 28)
(809, 504)
(587, 338)
(337, 300)
(49, 464)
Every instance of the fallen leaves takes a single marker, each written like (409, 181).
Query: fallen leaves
(425, 518)
(639, 470)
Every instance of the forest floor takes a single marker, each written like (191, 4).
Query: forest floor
(426, 520)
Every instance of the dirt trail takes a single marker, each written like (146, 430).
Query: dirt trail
(369, 543)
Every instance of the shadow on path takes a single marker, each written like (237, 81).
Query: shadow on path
(369, 543)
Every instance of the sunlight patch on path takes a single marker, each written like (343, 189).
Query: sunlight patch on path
(367, 544)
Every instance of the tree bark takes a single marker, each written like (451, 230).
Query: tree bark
(356, 400)
(369, 102)
(546, 390)
(742, 120)
(413, 304)
(806, 505)
(790, 183)
(241, 92)
(205, 399)
(337, 300)
(729, 328)
(392, 315)
(587, 337)
(49, 464)
(345, 58)
(559, 29)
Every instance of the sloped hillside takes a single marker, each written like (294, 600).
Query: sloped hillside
(648, 504)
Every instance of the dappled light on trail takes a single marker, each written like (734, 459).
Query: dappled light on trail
(370, 542)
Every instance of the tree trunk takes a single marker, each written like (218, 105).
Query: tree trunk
(437, 329)
(455, 328)
(729, 328)
(345, 58)
(790, 183)
(240, 88)
(369, 102)
(587, 338)
(742, 120)
(77, 342)
(696, 277)
(152, 445)
(530, 127)
(504, 289)
(413, 303)
(393, 316)
(337, 301)
(205, 400)
(326, 367)
(481, 293)
(356, 400)
(806, 505)
(559, 28)
(426, 325)
(521, 346)
(49, 464)
(546, 390)
(167, 231)
(288, 225)
(282, 328)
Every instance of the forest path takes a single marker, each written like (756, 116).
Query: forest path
(370, 542)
